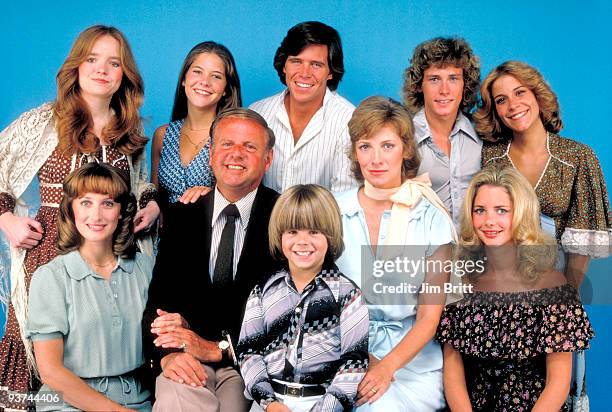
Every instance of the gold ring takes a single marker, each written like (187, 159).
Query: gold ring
(183, 346)
(374, 391)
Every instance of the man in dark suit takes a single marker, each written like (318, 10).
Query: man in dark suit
(211, 255)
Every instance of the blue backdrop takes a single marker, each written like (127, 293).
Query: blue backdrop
(568, 41)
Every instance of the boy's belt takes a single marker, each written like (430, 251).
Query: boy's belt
(297, 389)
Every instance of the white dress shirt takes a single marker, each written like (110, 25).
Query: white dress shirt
(244, 206)
(320, 155)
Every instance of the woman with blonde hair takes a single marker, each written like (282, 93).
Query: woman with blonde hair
(94, 119)
(519, 119)
(508, 344)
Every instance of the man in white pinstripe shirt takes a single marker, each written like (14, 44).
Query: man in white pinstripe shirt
(309, 118)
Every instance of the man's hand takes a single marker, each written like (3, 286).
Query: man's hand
(180, 338)
(184, 368)
(165, 320)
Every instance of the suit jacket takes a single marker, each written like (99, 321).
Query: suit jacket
(181, 280)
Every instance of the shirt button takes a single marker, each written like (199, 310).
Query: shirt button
(298, 310)
(114, 282)
(115, 295)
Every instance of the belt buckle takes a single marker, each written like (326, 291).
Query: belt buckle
(294, 390)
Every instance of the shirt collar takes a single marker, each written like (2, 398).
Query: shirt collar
(423, 132)
(349, 206)
(329, 276)
(328, 96)
(78, 269)
(127, 265)
(465, 125)
(348, 203)
(244, 206)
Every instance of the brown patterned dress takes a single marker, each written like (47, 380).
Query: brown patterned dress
(14, 374)
(571, 190)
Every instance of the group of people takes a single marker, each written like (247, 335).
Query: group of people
(238, 278)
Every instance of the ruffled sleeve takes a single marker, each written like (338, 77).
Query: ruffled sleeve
(565, 328)
(588, 230)
(459, 327)
(445, 330)
(517, 325)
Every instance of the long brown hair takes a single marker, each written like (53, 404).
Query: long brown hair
(73, 119)
(488, 124)
(231, 99)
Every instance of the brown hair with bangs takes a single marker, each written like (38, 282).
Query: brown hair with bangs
(104, 179)
(488, 123)
(73, 119)
(373, 114)
(310, 207)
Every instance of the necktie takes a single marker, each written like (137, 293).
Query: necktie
(224, 266)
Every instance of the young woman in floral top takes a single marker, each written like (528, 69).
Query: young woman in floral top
(507, 346)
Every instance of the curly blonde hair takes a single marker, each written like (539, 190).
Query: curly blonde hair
(488, 123)
(441, 52)
(73, 119)
(97, 178)
(536, 250)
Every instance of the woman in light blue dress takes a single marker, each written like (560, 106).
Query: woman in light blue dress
(85, 306)
(395, 215)
(208, 83)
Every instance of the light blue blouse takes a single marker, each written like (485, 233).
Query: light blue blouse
(99, 320)
(428, 228)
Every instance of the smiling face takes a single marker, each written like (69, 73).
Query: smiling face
(492, 215)
(96, 217)
(205, 82)
(239, 157)
(442, 91)
(101, 73)
(306, 75)
(305, 251)
(516, 105)
(381, 157)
